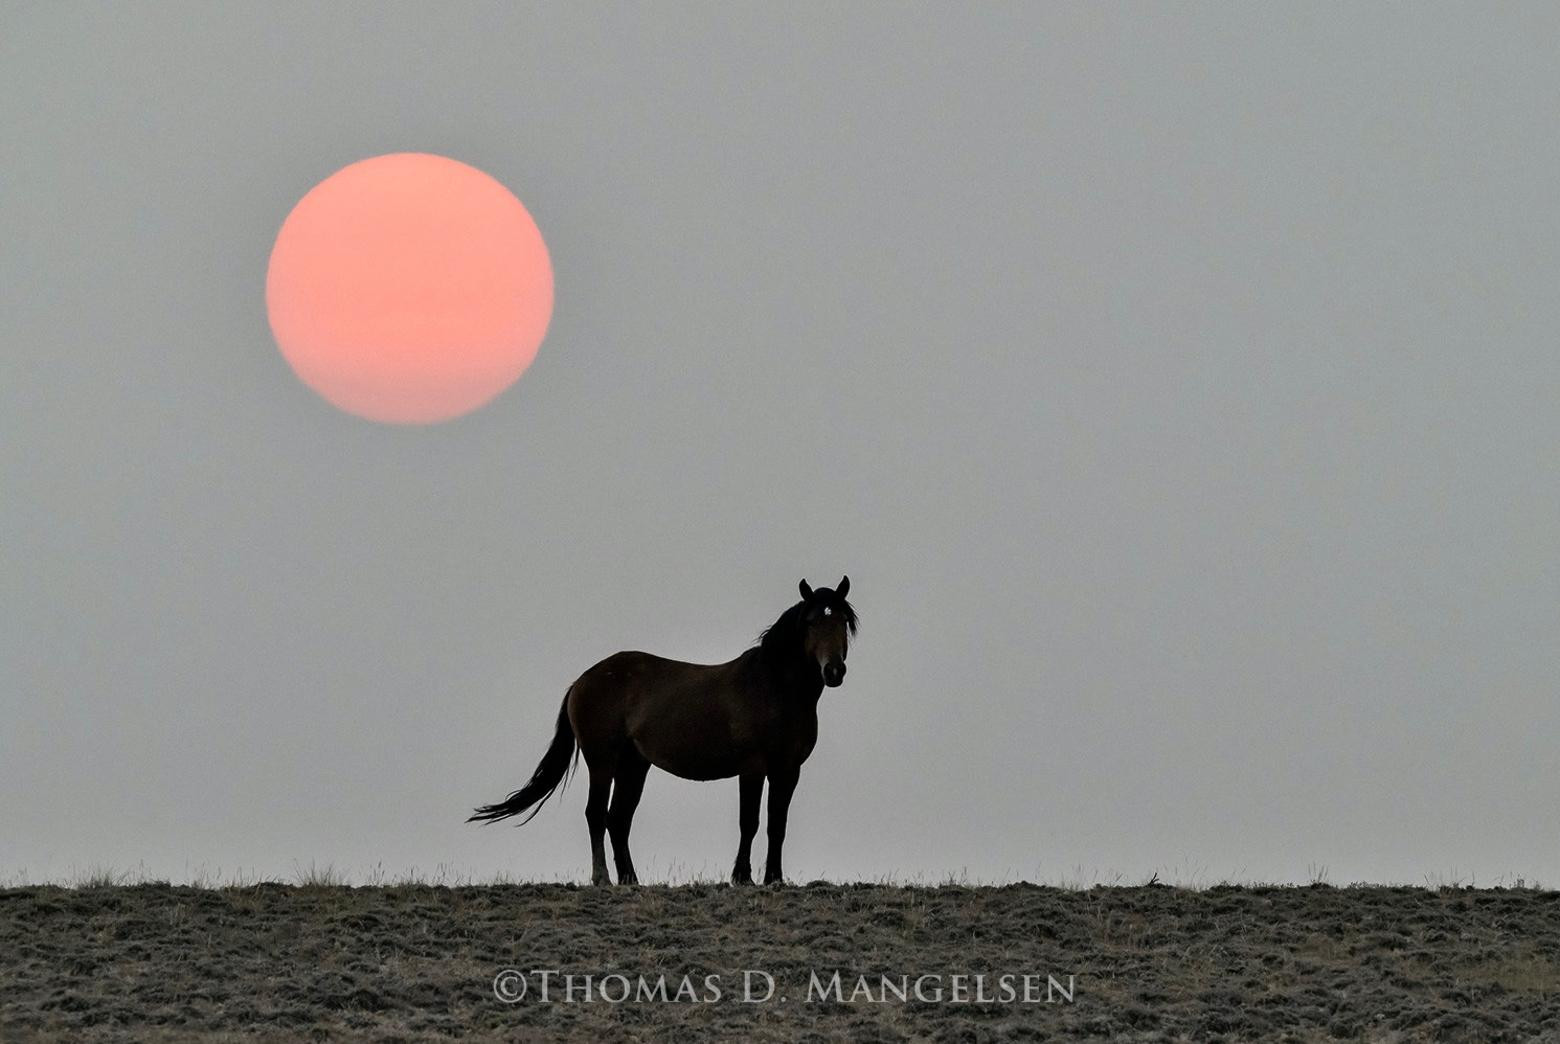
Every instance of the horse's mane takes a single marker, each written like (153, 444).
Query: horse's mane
(783, 635)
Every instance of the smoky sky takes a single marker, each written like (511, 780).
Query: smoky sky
(1177, 385)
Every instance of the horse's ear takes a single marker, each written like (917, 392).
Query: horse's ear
(844, 588)
(806, 591)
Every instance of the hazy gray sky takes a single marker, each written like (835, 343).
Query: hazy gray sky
(1178, 385)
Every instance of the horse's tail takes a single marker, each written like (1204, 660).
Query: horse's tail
(549, 776)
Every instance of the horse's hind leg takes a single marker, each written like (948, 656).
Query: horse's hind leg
(628, 785)
(596, 818)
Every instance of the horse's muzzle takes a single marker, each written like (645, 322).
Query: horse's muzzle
(833, 674)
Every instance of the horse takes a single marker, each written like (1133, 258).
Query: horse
(754, 717)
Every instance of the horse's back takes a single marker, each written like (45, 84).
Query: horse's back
(626, 679)
(681, 716)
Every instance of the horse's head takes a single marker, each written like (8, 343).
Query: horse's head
(828, 621)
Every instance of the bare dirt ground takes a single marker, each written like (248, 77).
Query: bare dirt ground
(277, 962)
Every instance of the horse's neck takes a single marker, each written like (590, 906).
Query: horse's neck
(801, 688)
(805, 697)
(793, 681)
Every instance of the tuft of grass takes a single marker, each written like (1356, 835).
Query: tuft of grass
(676, 872)
(318, 876)
(1448, 882)
(1082, 881)
(97, 876)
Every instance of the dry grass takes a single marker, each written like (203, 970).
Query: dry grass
(413, 961)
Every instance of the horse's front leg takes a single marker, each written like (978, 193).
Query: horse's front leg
(782, 783)
(752, 792)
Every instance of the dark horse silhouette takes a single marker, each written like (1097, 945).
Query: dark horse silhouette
(755, 717)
